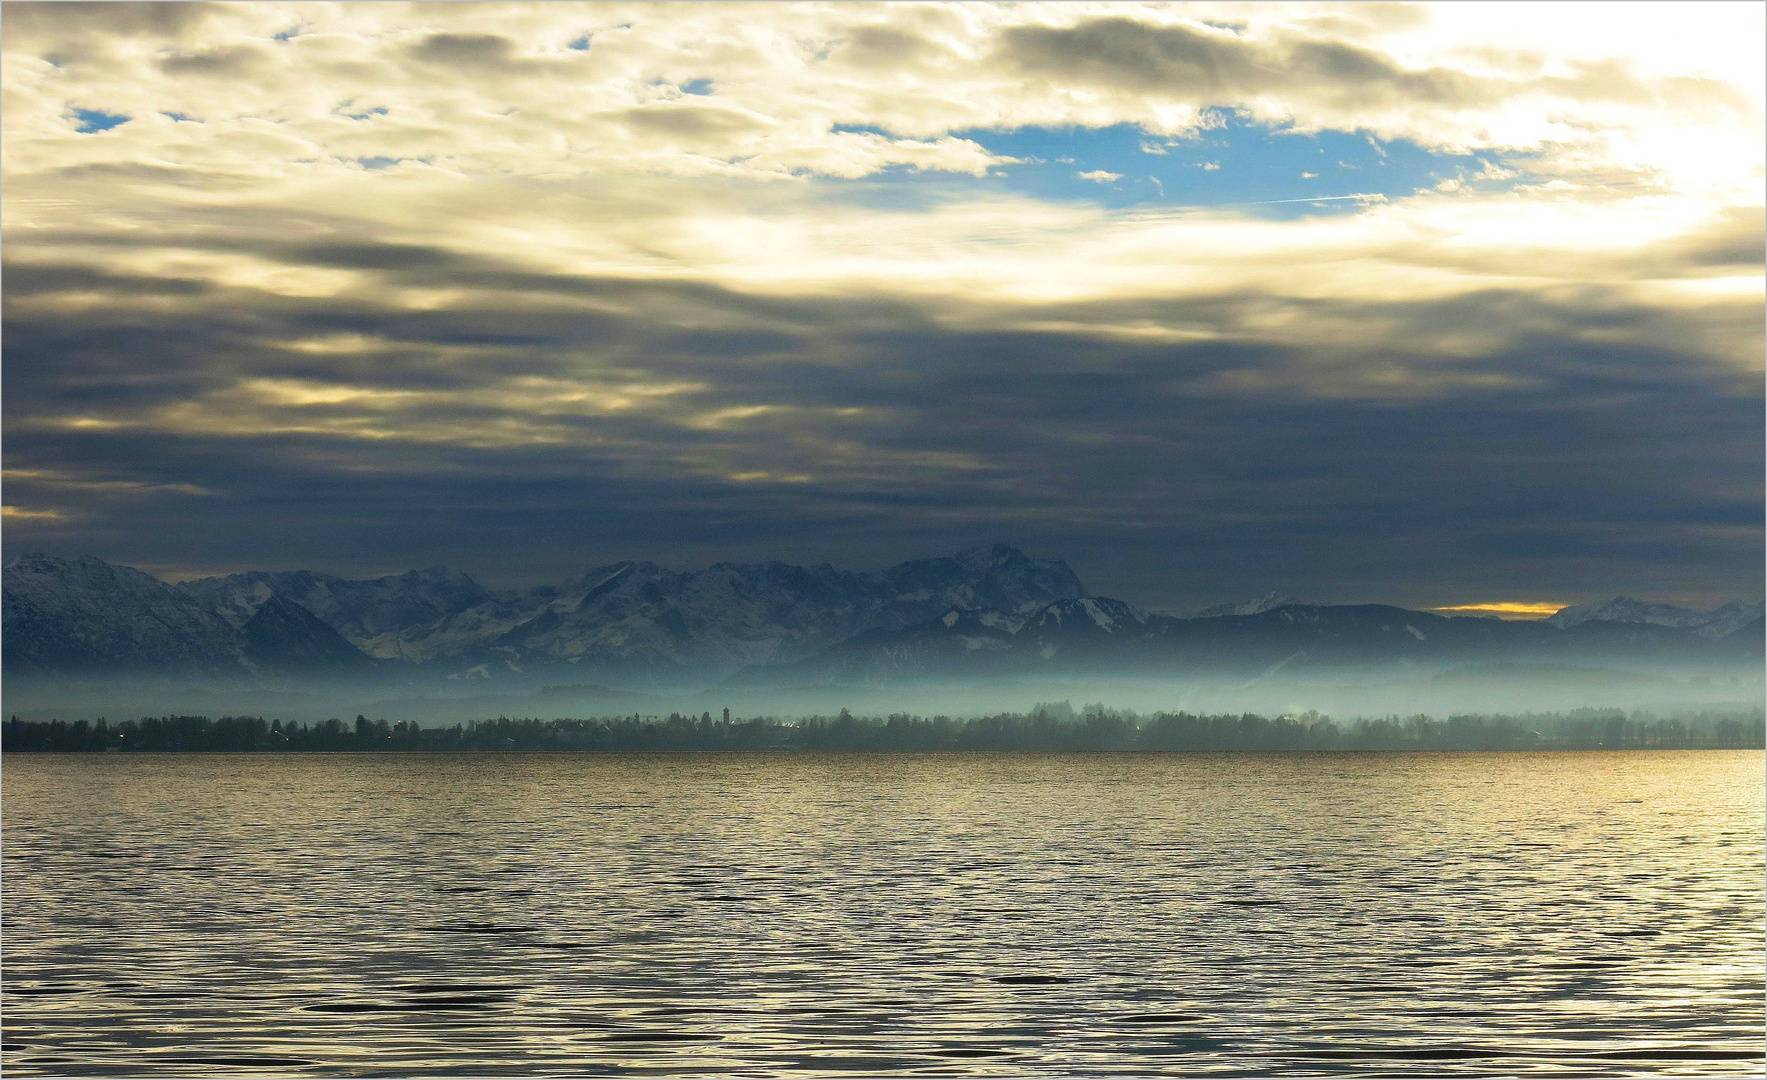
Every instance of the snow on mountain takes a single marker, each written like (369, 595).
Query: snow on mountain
(375, 615)
(1001, 578)
(1268, 602)
(1727, 619)
(1089, 615)
(85, 615)
(983, 610)
(639, 615)
(623, 621)
(1716, 623)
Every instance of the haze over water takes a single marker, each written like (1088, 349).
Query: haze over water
(781, 914)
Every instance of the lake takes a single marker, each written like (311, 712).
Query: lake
(795, 914)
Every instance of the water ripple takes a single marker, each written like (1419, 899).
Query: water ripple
(956, 914)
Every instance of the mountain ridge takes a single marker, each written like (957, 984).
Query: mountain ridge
(1097, 635)
(636, 623)
(628, 619)
(1715, 623)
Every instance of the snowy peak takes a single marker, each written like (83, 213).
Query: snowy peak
(1268, 602)
(1726, 619)
(87, 616)
(1625, 609)
(1716, 623)
(731, 615)
(1000, 577)
(35, 573)
(362, 611)
(1091, 614)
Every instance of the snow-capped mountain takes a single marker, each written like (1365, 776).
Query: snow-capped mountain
(639, 616)
(63, 616)
(1268, 602)
(1716, 623)
(636, 624)
(360, 610)
(385, 617)
(625, 622)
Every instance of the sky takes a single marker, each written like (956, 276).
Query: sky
(1437, 305)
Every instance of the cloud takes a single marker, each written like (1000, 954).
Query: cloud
(469, 50)
(45, 20)
(1215, 66)
(234, 62)
(523, 100)
(20, 513)
(582, 313)
(1228, 417)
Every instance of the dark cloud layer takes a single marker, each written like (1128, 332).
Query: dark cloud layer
(862, 430)
(1197, 64)
(1193, 63)
(527, 288)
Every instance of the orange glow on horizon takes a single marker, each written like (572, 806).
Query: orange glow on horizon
(1506, 609)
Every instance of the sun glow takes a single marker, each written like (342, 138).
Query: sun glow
(1506, 609)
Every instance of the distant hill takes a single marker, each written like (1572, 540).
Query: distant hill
(1097, 635)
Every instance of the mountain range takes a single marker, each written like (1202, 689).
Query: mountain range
(986, 611)
(1716, 623)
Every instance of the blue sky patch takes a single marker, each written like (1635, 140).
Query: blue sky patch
(1268, 171)
(91, 120)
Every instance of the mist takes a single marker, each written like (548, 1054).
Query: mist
(1342, 693)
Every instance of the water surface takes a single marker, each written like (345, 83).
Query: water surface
(1570, 914)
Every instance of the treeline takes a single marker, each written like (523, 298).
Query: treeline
(1044, 729)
